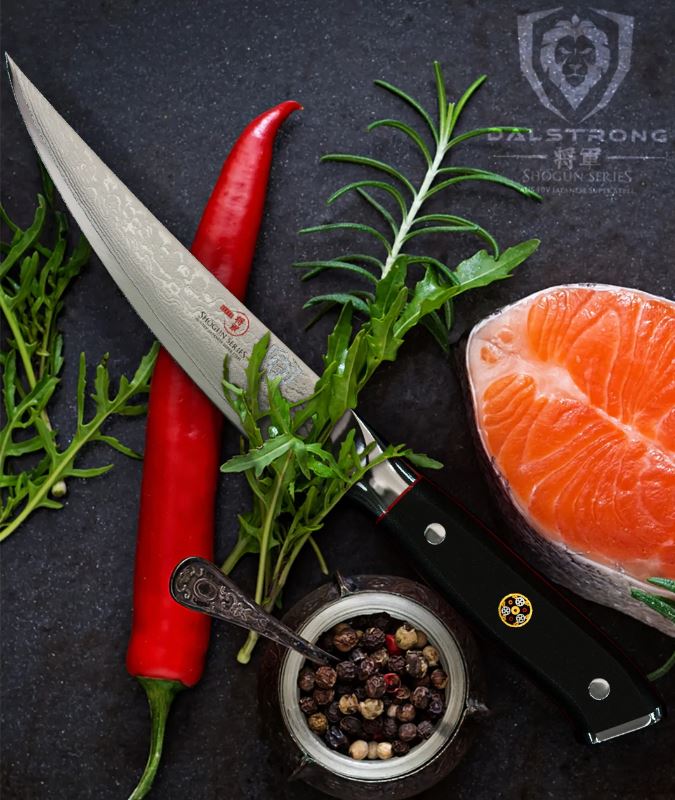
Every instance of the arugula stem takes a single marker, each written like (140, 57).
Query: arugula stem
(25, 357)
(240, 549)
(663, 669)
(267, 529)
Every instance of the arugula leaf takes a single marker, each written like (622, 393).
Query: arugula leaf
(34, 278)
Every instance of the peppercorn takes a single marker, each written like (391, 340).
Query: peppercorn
(375, 686)
(308, 705)
(397, 664)
(335, 739)
(406, 637)
(439, 680)
(373, 638)
(306, 679)
(371, 708)
(422, 640)
(406, 712)
(340, 627)
(399, 748)
(358, 749)
(390, 644)
(318, 723)
(374, 728)
(420, 697)
(415, 664)
(366, 667)
(348, 704)
(357, 654)
(343, 688)
(392, 711)
(351, 726)
(435, 707)
(380, 657)
(360, 692)
(384, 750)
(425, 681)
(346, 671)
(425, 729)
(323, 696)
(333, 713)
(345, 639)
(407, 732)
(390, 728)
(431, 655)
(325, 677)
(402, 694)
(391, 681)
(381, 620)
(372, 750)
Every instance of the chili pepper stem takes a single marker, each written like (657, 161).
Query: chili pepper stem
(160, 694)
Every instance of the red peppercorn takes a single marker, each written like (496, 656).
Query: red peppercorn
(391, 681)
(390, 644)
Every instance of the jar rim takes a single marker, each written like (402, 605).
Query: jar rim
(413, 612)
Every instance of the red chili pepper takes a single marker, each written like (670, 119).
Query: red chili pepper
(168, 643)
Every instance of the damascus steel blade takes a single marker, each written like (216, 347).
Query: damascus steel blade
(191, 313)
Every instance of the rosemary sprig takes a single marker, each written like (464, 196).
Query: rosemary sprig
(34, 278)
(664, 606)
(296, 475)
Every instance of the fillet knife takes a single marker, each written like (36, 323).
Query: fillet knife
(200, 322)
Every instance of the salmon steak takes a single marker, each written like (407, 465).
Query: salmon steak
(573, 397)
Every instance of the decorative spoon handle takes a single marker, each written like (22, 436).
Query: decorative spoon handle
(199, 585)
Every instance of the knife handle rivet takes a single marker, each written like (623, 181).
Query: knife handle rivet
(434, 533)
(599, 689)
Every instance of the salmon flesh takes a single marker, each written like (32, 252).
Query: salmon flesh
(573, 392)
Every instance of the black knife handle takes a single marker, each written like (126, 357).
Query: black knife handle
(552, 640)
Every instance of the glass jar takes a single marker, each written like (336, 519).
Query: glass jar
(305, 756)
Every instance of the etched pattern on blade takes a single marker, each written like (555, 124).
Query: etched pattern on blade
(196, 318)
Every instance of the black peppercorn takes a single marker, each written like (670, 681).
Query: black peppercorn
(420, 697)
(425, 729)
(358, 654)
(360, 692)
(402, 694)
(345, 640)
(373, 729)
(335, 739)
(308, 705)
(425, 681)
(399, 748)
(375, 686)
(324, 696)
(397, 664)
(390, 728)
(325, 677)
(415, 664)
(352, 727)
(333, 713)
(306, 679)
(366, 667)
(373, 638)
(406, 712)
(407, 732)
(346, 671)
(439, 680)
(435, 707)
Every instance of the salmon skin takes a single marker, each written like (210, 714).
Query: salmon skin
(573, 394)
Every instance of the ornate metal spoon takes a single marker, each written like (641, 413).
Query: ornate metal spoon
(199, 585)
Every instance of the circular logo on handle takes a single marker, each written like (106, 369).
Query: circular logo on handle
(515, 610)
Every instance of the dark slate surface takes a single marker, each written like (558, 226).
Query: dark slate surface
(160, 90)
